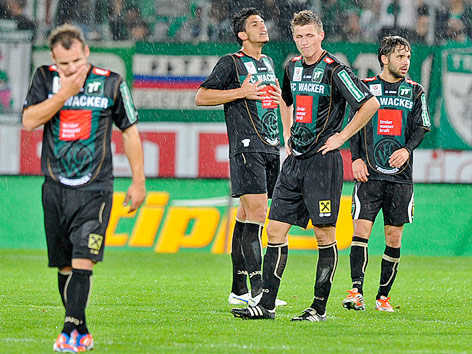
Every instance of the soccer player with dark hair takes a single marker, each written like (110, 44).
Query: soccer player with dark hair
(245, 83)
(77, 103)
(382, 161)
(316, 87)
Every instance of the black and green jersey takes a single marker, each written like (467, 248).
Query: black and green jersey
(319, 93)
(76, 150)
(251, 124)
(401, 121)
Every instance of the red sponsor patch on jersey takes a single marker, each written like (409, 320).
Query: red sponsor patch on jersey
(52, 67)
(328, 60)
(389, 122)
(297, 58)
(267, 101)
(75, 124)
(239, 55)
(304, 109)
(101, 72)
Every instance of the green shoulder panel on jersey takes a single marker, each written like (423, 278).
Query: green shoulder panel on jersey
(352, 88)
(128, 102)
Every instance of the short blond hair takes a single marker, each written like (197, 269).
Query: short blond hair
(66, 35)
(306, 17)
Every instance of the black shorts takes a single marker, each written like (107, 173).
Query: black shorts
(253, 173)
(75, 221)
(395, 200)
(307, 189)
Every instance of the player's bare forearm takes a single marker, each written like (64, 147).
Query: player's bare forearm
(210, 97)
(134, 152)
(41, 113)
(286, 114)
(361, 118)
(363, 115)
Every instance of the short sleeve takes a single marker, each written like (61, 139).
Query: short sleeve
(38, 91)
(286, 89)
(351, 87)
(222, 74)
(124, 112)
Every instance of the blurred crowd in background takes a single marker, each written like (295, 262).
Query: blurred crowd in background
(420, 21)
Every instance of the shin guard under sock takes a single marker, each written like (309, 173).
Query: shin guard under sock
(62, 279)
(325, 269)
(359, 258)
(239, 286)
(390, 260)
(77, 295)
(252, 251)
(275, 260)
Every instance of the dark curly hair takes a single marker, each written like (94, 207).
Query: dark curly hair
(239, 21)
(388, 45)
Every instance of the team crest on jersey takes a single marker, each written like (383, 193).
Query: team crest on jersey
(317, 75)
(404, 91)
(251, 68)
(297, 74)
(376, 89)
(328, 60)
(94, 88)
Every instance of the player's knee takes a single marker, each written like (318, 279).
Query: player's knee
(393, 236)
(275, 234)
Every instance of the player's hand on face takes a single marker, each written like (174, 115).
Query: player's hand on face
(399, 157)
(334, 141)
(136, 194)
(252, 91)
(72, 84)
(360, 171)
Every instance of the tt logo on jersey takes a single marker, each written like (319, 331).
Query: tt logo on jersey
(94, 87)
(317, 75)
(404, 92)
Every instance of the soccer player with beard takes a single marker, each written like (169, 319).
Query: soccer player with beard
(382, 155)
(316, 87)
(245, 83)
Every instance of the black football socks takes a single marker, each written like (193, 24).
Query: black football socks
(275, 260)
(252, 251)
(390, 260)
(239, 286)
(358, 258)
(325, 269)
(76, 298)
(62, 278)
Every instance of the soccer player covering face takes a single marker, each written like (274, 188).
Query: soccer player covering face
(245, 83)
(315, 90)
(77, 103)
(382, 155)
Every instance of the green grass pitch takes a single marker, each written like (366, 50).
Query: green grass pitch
(144, 302)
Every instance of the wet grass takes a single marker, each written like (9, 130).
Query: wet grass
(144, 302)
